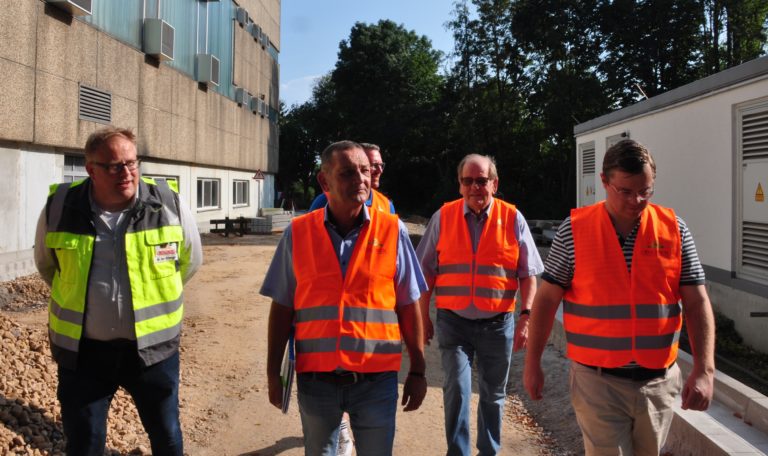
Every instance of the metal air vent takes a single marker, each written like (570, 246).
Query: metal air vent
(242, 97)
(754, 135)
(242, 16)
(264, 40)
(94, 105)
(253, 105)
(255, 31)
(208, 69)
(158, 38)
(588, 160)
(75, 7)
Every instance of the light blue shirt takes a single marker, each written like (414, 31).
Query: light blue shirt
(280, 281)
(528, 263)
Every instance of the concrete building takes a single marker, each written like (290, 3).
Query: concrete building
(710, 142)
(196, 80)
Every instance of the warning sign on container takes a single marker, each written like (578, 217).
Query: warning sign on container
(759, 195)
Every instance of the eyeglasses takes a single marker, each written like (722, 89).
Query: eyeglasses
(480, 181)
(117, 168)
(378, 166)
(642, 195)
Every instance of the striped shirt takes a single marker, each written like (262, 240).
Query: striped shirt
(559, 266)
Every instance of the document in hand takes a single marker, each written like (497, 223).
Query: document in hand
(287, 372)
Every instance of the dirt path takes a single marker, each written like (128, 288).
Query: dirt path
(223, 395)
(225, 408)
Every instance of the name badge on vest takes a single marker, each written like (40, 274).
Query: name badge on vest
(166, 252)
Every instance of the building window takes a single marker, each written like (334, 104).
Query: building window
(240, 192)
(163, 178)
(208, 195)
(74, 168)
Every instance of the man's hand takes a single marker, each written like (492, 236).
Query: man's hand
(698, 390)
(533, 379)
(521, 334)
(414, 390)
(275, 388)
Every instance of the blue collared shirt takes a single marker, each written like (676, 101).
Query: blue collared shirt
(528, 263)
(280, 281)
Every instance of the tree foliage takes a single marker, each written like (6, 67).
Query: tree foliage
(523, 73)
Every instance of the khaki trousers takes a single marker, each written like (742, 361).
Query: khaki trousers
(620, 416)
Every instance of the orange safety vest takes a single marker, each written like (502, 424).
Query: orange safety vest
(612, 316)
(348, 322)
(487, 277)
(379, 202)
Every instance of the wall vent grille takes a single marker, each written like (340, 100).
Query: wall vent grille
(588, 161)
(754, 245)
(94, 105)
(754, 135)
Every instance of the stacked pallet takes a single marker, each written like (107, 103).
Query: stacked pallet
(271, 220)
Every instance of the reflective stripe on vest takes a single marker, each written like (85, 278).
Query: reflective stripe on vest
(491, 272)
(347, 322)
(612, 316)
(156, 286)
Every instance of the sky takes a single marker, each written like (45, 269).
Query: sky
(311, 30)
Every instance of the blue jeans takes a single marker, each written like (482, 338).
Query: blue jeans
(371, 404)
(489, 343)
(86, 393)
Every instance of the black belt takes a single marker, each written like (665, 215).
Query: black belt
(343, 378)
(637, 373)
(497, 317)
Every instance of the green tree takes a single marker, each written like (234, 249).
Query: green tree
(385, 89)
(299, 149)
(650, 46)
(733, 32)
(564, 45)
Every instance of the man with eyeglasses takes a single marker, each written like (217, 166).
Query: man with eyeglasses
(348, 282)
(476, 254)
(376, 200)
(621, 268)
(116, 249)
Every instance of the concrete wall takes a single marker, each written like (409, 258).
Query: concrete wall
(693, 143)
(47, 53)
(183, 129)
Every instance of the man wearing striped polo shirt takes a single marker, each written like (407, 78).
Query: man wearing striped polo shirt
(622, 312)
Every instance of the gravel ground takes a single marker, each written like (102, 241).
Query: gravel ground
(29, 410)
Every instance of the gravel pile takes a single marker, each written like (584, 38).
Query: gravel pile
(30, 416)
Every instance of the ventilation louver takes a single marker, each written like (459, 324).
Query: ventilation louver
(208, 69)
(158, 38)
(94, 105)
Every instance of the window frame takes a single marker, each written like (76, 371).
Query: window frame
(73, 173)
(200, 198)
(245, 193)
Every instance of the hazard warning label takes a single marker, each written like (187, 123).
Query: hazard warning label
(759, 195)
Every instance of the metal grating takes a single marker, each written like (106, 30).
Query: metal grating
(214, 70)
(94, 105)
(167, 40)
(754, 245)
(588, 161)
(754, 135)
